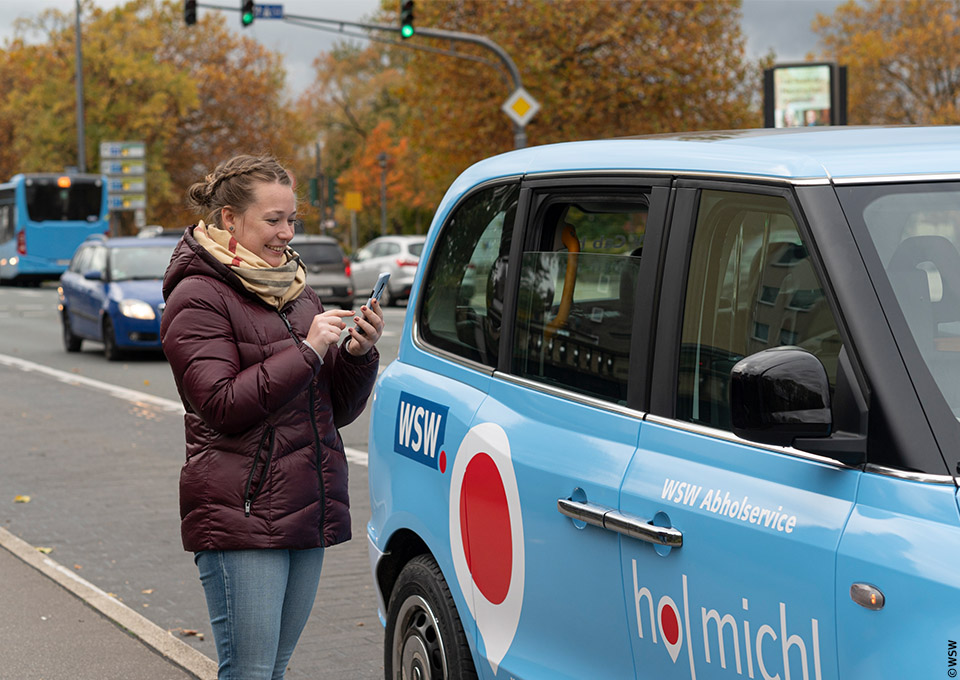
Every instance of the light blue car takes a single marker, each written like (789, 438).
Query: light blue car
(693, 415)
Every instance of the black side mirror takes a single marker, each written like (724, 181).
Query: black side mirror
(93, 275)
(780, 394)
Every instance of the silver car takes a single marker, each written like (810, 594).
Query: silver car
(328, 269)
(398, 255)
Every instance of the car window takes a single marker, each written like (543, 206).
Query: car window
(319, 253)
(577, 291)
(97, 261)
(751, 286)
(80, 259)
(387, 249)
(415, 249)
(462, 308)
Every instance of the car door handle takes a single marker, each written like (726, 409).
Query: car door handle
(614, 520)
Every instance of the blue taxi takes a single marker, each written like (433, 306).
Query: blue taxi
(693, 415)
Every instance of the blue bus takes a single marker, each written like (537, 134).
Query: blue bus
(43, 218)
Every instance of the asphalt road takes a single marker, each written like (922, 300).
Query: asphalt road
(101, 465)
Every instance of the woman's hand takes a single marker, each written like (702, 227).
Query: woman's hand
(371, 323)
(325, 329)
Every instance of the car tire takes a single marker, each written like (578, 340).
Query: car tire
(71, 342)
(424, 637)
(387, 299)
(110, 349)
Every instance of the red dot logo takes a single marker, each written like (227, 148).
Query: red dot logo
(670, 625)
(486, 536)
(485, 527)
(443, 461)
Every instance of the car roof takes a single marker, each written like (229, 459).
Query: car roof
(313, 238)
(811, 155)
(140, 241)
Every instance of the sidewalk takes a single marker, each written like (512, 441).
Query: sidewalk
(57, 626)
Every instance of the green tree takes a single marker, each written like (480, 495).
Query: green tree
(902, 56)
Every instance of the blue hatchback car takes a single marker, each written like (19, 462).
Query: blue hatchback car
(692, 414)
(111, 293)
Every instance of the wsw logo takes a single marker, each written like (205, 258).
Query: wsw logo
(420, 429)
(741, 640)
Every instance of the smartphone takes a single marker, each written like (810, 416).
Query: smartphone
(379, 287)
(377, 291)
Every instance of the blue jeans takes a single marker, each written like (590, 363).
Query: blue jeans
(259, 602)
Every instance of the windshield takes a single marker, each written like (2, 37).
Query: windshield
(48, 202)
(915, 229)
(141, 262)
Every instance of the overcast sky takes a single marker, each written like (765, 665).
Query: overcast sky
(782, 26)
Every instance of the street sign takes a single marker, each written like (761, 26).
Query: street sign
(520, 107)
(125, 165)
(126, 201)
(121, 150)
(269, 11)
(353, 200)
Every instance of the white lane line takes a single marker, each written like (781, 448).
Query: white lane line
(357, 456)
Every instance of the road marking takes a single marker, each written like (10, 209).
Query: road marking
(357, 456)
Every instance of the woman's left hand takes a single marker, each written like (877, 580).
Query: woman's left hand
(371, 323)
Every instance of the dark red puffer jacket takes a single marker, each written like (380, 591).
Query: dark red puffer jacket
(265, 466)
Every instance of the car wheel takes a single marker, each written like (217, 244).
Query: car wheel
(71, 342)
(424, 637)
(110, 349)
(386, 299)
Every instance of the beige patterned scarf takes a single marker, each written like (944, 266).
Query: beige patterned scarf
(274, 285)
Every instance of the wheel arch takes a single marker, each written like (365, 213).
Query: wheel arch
(402, 547)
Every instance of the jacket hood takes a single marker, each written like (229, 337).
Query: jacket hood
(192, 259)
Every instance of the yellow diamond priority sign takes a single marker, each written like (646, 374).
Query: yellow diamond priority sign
(521, 107)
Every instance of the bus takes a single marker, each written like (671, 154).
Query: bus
(43, 218)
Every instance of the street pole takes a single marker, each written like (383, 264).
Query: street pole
(382, 158)
(319, 178)
(81, 138)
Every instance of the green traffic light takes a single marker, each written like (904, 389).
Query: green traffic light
(247, 18)
(406, 31)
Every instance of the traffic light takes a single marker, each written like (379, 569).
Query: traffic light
(247, 12)
(406, 19)
(190, 12)
(332, 196)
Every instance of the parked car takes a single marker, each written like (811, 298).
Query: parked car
(111, 293)
(693, 413)
(328, 269)
(398, 255)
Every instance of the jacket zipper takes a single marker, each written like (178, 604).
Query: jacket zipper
(247, 497)
(316, 439)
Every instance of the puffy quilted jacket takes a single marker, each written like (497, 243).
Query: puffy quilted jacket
(265, 466)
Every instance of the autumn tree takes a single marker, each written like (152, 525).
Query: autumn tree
(194, 96)
(902, 56)
(599, 69)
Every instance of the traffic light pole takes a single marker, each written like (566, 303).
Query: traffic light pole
(519, 131)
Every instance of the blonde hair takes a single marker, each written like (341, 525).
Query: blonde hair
(231, 184)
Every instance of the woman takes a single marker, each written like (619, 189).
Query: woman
(265, 386)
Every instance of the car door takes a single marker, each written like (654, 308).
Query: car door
(363, 269)
(562, 424)
(750, 591)
(89, 294)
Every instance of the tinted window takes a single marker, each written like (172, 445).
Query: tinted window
(319, 253)
(463, 292)
(577, 291)
(751, 285)
(8, 222)
(46, 201)
(415, 249)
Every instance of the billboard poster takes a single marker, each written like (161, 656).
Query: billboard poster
(804, 95)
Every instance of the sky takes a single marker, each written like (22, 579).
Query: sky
(781, 26)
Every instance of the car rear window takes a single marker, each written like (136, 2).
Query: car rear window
(319, 253)
(416, 249)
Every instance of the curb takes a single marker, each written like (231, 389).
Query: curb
(152, 635)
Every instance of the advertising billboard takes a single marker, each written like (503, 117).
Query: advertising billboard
(805, 94)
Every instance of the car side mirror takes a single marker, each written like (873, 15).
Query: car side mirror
(778, 395)
(93, 275)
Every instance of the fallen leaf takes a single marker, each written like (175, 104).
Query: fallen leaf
(145, 604)
(187, 632)
(77, 567)
(359, 624)
(45, 551)
(21, 499)
(147, 591)
(146, 382)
